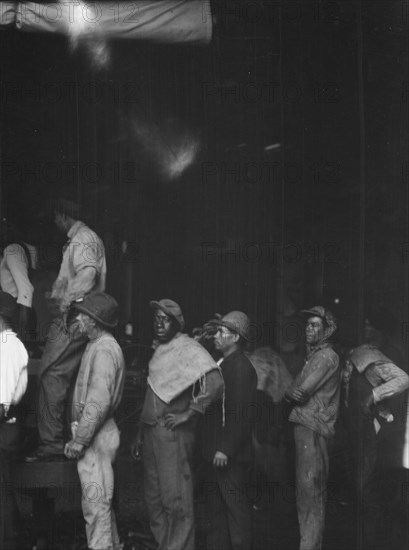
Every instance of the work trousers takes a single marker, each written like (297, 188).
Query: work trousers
(311, 469)
(228, 510)
(97, 482)
(59, 364)
(168, 485)
(371, 509)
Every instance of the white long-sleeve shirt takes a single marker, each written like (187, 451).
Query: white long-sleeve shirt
(13, 368)
(14, 272)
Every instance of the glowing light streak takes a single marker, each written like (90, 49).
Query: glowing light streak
(83, 29)
(173, 153)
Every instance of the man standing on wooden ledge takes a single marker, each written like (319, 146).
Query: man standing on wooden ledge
(83, 269)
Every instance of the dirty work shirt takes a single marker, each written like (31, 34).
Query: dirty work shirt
(314, 423)
(320, 378)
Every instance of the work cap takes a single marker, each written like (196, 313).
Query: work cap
(8, 305)
(236, 321)
(101, 307)
(171, 308)
(326, 315)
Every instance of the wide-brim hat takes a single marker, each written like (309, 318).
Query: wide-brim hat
(171, 308)
(102, 307)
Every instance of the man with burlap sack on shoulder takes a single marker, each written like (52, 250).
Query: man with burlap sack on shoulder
(183, 381)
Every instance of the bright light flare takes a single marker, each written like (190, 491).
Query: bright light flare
(83, 29)
(181, 160)
(171, 149)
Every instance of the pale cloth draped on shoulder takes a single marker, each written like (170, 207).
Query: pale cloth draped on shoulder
(365, 355)
(177, 365)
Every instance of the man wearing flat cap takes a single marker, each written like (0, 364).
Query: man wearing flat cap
(95, 436)
(183, 380)
(315, 396)
(227, 439)
(83, 269)
(13, 384)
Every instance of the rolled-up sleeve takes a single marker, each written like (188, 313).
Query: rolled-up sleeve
(395, 381)
(18, 267)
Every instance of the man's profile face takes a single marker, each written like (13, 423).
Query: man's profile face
(164, 326)
(224, 339)
(314, 330)
(85, 323)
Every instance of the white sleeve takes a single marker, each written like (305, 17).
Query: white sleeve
(13, 368)
(18, 267)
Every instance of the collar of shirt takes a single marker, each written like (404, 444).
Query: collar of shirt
(74, 229)
(324, 345)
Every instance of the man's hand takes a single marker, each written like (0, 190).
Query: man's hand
(172, 420)
(220, 459)
(297, 394)
(74, 450)
(53, 304)
(136, 446)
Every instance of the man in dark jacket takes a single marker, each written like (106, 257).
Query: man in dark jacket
(227, 440)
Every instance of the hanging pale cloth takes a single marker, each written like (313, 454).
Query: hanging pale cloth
(177, 365)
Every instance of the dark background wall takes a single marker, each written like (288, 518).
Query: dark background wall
(265, 172)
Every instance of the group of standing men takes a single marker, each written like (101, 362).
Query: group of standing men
(80, 348)
(174, 402)
(185, 386)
